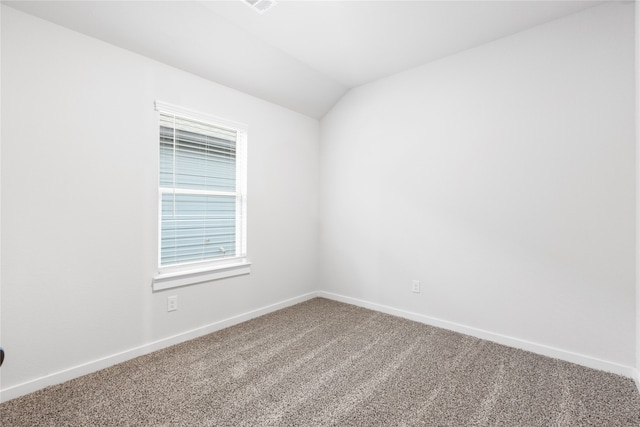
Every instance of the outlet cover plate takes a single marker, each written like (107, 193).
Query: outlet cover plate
(415, 286)
(172, 303)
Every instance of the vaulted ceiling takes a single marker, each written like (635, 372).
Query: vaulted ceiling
(303, 55)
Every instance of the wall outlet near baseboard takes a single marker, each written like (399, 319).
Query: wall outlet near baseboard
(172, 303)
(415, 286)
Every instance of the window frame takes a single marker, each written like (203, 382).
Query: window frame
(171, 276)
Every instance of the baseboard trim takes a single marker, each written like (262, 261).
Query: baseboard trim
(580, 359)
(105, 362)
(22, 389)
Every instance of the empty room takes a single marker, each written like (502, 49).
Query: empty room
(315, 213)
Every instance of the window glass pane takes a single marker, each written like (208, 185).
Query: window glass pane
(204, 163)
(197, 227)
(197, 157)
(166, 157)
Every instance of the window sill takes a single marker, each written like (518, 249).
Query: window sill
(190, 277)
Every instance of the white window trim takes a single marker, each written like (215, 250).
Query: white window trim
(190, 277)
(195, 115)
(191, 273)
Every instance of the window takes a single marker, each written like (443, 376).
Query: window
(202, 198)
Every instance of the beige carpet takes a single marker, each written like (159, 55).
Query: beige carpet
(323, 363)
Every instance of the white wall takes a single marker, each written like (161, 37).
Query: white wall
(503, 178)
(79, 219)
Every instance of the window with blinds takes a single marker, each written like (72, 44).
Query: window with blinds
(202, 197)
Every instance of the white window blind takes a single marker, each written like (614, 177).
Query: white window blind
(202, 191)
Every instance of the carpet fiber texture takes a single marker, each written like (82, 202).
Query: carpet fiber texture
(324, 363)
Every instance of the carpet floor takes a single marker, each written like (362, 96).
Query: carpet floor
(324, 363)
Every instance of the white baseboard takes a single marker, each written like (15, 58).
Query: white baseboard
(105, 362)
(544, 350)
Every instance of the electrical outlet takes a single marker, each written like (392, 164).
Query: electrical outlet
(415, 286)
(172, 303)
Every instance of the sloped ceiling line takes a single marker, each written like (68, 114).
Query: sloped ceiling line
(302, 55)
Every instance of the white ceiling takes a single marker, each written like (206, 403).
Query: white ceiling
(303, 55)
